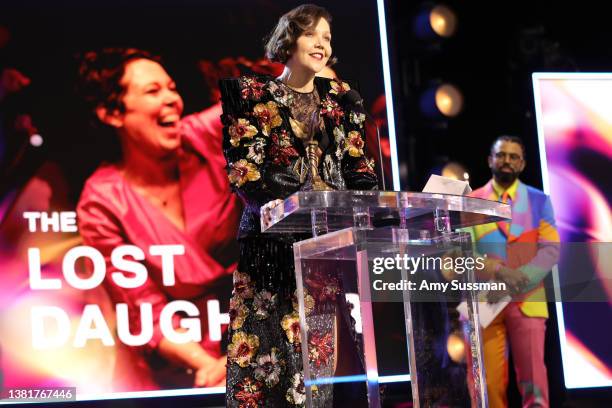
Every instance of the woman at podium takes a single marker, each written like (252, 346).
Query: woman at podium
(295, 132)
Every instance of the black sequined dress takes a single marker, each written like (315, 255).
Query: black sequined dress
(266, 161)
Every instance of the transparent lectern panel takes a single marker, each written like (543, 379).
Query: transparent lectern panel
(340, 278)
(332, 344)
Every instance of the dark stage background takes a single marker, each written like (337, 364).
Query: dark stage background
(490, 58)
(496, 48)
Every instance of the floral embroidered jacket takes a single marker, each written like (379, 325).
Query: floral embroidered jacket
(266, 159)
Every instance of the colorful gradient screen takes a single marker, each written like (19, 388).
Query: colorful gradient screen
(574, 118)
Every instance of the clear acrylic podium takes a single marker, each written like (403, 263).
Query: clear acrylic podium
(340, 276)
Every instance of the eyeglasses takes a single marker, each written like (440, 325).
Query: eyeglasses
(512, 156)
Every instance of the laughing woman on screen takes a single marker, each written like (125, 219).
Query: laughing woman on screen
(168, 187)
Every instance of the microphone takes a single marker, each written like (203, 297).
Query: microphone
(353, 99)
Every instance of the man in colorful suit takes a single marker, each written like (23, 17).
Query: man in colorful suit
(520, 253)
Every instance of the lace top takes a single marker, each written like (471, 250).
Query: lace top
(302, 104)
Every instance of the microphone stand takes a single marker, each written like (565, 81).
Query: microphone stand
(380, 162)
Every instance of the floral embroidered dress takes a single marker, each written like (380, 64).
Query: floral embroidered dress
(263, 122)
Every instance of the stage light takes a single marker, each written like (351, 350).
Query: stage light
(449, 100)
(36, 140)
(456, 171)
(443, 21)
(442, 100)
(437, 21)
(455, 347)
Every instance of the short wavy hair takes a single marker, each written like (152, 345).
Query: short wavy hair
(100, 74)
(99, 85)
(281, 41)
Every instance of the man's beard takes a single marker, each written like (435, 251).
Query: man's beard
(506, 177)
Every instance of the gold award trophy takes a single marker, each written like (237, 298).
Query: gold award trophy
(313, 152)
